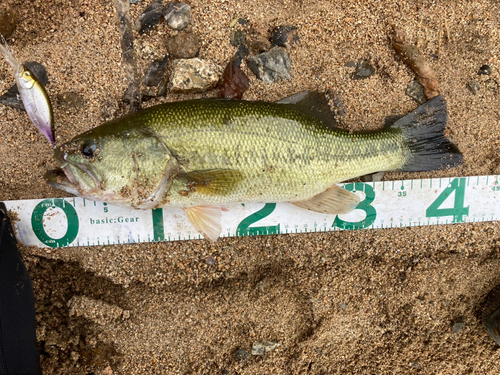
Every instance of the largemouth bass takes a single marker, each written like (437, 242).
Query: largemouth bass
(202, 154)
(34, 96)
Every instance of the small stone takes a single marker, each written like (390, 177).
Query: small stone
(271, 66)
(457, 327)
(70, 100)
(135, 1)
(284, 36)
(484, 70)
(240, 55)
(473, 86)
(263, 347)
(194, 75)
(351, 64)
(8, 20)
(416, 365)
(237, 37)
(241, 355)
(343, 306)
(363, 70)
(150, 17)
(155, 72)
(177, 15)
(146, 95)
(257, 42)
(183, 46)
(492, 322)
(211, 261)
(416, 91)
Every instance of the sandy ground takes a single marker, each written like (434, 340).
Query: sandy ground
(383, 301)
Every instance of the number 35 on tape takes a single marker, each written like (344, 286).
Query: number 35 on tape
(61, 222)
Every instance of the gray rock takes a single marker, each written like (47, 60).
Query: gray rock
(457, 327)
(237, 37)
(271, 66)
(416, 91)
(194, 75)
(146, 95)
(363, 70)
(177, 15)
(70, 100)
(135, 1)
(284, 36)
(183, 45)
(150, 17)
(155, 72)
(240, 55)
(263, 347)
(473, 86)
(241, 355)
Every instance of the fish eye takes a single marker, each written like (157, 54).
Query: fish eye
(88, 149)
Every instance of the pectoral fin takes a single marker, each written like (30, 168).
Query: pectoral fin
(206, 220)
(333, 201)
(213, 181)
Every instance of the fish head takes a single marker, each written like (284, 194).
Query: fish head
(25, 78)
(129, 168)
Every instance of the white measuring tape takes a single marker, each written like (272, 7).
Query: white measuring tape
(61, 222)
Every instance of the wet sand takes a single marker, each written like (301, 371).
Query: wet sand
(403, 301)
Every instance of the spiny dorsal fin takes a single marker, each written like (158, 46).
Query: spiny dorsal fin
(333, 201)
(213, 181)
(206, 220)
(313, 103)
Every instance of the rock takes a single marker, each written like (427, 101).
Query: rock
(8, 20)
(177, 15)
(11, 98)
(150, 17)
(484, 70)
(241, 355)
(237, 37)
(284, 36)
(240, 55)
(146, 95)
(271, 66)
(155, 72)
(194, 75)
(70, 100)
(263, 347)
(257, 42)
(457, 327)
(363, 70)
(416, 91)
(135, 1)
(473, 86)
(183, 45)
(234, 82)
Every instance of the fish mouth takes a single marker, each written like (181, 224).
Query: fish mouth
(64, 178)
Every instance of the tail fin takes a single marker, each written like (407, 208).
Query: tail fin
(423, 130)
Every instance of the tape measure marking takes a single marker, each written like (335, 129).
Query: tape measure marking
(61, 222)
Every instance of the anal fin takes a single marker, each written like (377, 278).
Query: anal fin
(206, 220)
(333, 201)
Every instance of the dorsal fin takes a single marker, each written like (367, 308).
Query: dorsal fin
(313, 103)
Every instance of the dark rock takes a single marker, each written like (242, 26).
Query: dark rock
(135, 1)
(416, 91)
(484, 70)
(150, 17)
(234, 82)
(473, 86)
(155, 72)
(183, 45)
(8, 20)
(242, 21)
(70, 100)
(363, 70)
(237, 37)
(284, 36)
(145, 95)
(271, 66)
(241, 355)
(256, 42)
(39, 71)
(177, 15)
(240, 55)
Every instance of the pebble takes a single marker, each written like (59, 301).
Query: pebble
(457, 327)
(241, 355)
(363, 70)
(492, 322)
(257, 42)
(416, 91)
(194, 75)
(271, 66)
(155, 72)
(473, 86)
(183, 45)
(237, 37)
(150, 17)
(70, 100)
(284, 36)
(263, 347)
(484, 70)
(240, 55)
(11, 98)
(177, 15)
(135, 1)
(8, 20)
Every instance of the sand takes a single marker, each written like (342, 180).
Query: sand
(377, 301)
